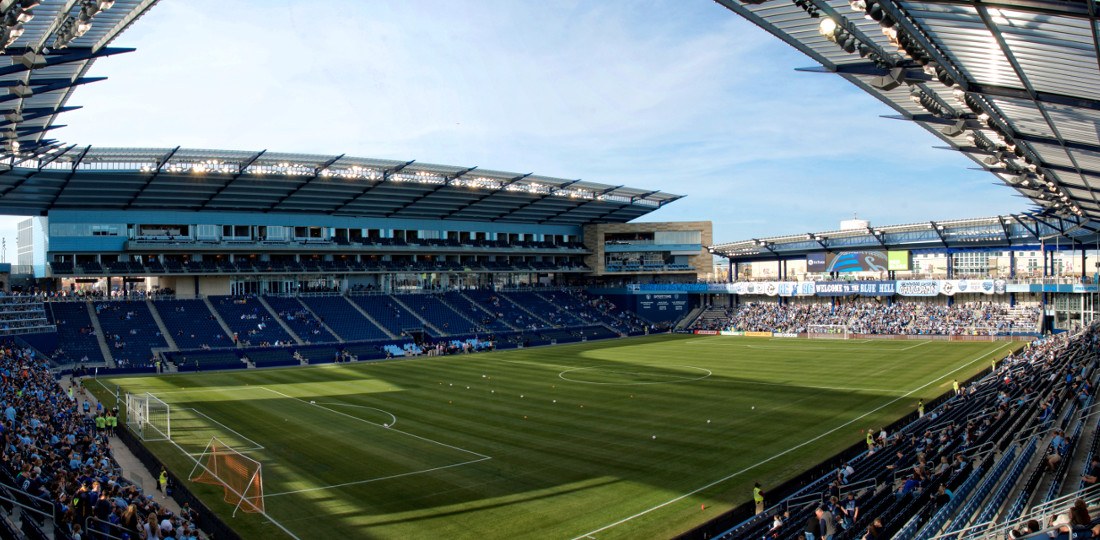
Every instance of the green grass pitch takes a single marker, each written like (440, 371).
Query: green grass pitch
(614, 439)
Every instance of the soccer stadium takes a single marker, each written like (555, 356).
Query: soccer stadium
(241, 343)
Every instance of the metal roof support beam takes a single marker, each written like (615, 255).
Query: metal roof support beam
(74, 55)
(1034, 232)
(499, 189)
(917, 75)
(38, 112)
(316, 173)
(446, 182)
(385, 177)
(1004, 227)
(939, 233)
(595, 199)
(240, 171)
(983, 13)
(1042, 7)
(54, 87)
(974, 124)
(156, 172)
(69, 177)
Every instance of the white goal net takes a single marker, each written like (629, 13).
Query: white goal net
(149, 417)
(827, 331)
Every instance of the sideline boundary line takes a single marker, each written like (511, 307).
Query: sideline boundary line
(787, 451)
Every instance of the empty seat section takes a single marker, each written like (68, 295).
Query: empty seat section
(252, 322)
(387, 312)
(505, 310)
(343, 318)
(205, 360)
(299, 319)
(191, 324)
(471, 309)
(544, 309)
(76, 337)
(272, 357)
(130, 331)
(438, 314)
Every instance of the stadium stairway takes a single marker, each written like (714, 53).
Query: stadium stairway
(319, 320)
(217, 316)
(691, 317)
(506, 298)
(449, 303)
(160, 324)
(372, 320)
(489, 319)
(424, 321)
(101, 337)
(297, 339)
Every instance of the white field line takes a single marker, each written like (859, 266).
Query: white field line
(255, 445)
(914, 346)
(841, 388)
(265, 514)
(346, 415)
(787, 451)
(393, 418)
(379, 479)
(196, 461)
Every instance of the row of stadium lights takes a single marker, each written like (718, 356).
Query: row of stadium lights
(1006, 153)
(214, 166)
(12, 28)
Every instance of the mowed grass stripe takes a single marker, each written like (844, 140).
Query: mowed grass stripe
(564, 469)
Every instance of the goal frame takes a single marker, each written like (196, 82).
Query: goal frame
(828, 331)
(143, 415)
(255, 479)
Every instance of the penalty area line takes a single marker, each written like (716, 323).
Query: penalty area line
(787, 451)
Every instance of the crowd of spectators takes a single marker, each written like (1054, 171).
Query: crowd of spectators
(909, 318)
(924, 462)
(58, 451)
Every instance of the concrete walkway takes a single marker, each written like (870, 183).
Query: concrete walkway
(132, 468)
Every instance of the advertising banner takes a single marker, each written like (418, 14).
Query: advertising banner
(857, 261)
(706, 332)
(897, 260)
(816, 262)
(784, 334)
(731, 333)
(758, 334)
(918, 287)
(849, 288)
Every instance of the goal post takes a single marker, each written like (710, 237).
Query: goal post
(827, 331)
(239, 475)
(149, 417)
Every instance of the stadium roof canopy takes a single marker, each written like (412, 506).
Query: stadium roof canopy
(1013, 84)
(89, 178)
(1018, 231)
(48, 47)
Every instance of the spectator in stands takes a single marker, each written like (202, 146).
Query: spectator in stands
(1092, 473)
(850, 511)
(1030, 527)
(828, 522)
(812, 529)
(875, 530)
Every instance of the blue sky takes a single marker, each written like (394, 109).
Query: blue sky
(677, 95)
